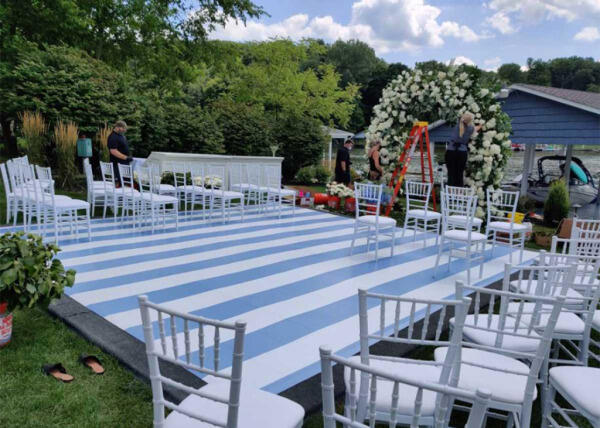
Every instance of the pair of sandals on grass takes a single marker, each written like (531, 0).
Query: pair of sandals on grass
(58, 372)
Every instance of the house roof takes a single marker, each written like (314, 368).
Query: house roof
(337, 133)
(589, 101)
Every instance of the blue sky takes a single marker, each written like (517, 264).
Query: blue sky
(486, 33)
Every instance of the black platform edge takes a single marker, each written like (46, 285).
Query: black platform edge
(129, 351)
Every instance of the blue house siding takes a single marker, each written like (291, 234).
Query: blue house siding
(537, 120)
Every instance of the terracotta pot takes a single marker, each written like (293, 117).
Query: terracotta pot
(350, 205)
(5, 325)
(333, 202)
(321, 198)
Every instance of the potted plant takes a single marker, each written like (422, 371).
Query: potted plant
(557, 203)
(30, 275)
(333, 190)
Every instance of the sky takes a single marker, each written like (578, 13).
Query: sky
(484, 33)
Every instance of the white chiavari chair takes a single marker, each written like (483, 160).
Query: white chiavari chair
(390, 314)
(368, 217)
(403, 397)
(501, 226)
(185, 340)
(459, 217)
(458, 233)
(158, 208)
(419, 216)
(277, 196)
(221, 200)
(132, 199)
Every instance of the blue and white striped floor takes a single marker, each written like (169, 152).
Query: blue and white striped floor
(291, 279)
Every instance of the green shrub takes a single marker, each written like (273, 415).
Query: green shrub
(322, 174)
(557, 204)
(306, 175)
(525, 204)
(30, 275)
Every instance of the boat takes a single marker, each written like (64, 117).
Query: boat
(516, 147)
(582, 189)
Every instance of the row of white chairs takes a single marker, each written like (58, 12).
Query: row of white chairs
(194, 186)
(499, 351)
(30, 191)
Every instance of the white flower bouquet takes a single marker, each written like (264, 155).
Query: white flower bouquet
(340, 190)
(211, 181)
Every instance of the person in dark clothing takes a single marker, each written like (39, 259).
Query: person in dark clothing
(118, 149)
(375, 169)
(458, 150)
(342, 163)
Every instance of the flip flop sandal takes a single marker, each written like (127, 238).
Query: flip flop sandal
(57, 371)
(92, 362)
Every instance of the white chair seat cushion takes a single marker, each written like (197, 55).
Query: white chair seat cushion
(504, 226)
(257, 409)
(567, 323)
(463, 235)
(370, 220)
(580, 384)
(71, 203)
(126, 191)
(424, 214)
(488, 338)
(101, 184)
(526, 287)
(505, 387)
(456, 218)
(166, 188)
(407, 393)
(243, 186)
(228, 194)
(162, 199)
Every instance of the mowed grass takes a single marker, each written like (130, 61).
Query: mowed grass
(29, 398)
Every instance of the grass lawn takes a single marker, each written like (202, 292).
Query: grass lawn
(31, 399)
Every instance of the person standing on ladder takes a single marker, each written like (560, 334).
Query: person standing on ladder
(342, 163)
(375, 169)
(458, 149)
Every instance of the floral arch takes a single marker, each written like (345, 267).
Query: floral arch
(419, 96)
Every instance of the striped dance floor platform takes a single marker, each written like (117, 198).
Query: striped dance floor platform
(291, 279)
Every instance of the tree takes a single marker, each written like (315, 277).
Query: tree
(371, 93)
(510, 73)
(355, 61)
(272, 79)
(538, 72)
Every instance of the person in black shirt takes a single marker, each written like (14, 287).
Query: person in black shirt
(342, 163)
(118, 149)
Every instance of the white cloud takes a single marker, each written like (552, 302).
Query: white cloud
(501, 22)
(492, 64)
(588, 34)
(460, 60)
(387, 25)
(531, 11)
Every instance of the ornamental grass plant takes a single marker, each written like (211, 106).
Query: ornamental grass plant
(65, 138)
(102, 140)
(34, 129)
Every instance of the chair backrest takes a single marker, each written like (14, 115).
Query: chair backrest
(417, 195)
(215, 177)
(181, 175)
(89, 177)
(397, 319)
(520, 317)
(372, 376)
(368, 199)
(108, 174)
(197, 174)
(253, 174)
(236, 173)
(540, 280)
(148, 180)
(464, 206)
(177, 349)
(127, 179)
(43, 172)
(273, 176)
(7, 187)
(585, 229)
(501, 205)
(577, 246)
(459, 191)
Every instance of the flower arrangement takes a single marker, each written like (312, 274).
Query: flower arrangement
(213, 181)
(418, 96)
(340, 190)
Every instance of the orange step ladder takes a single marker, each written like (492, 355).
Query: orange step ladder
(418, 134)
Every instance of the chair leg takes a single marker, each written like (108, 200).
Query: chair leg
(376, 243)
(469, 263)
(89, 226)
(353, 238)
(437, 259)
(393, 240)
(405, 225)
